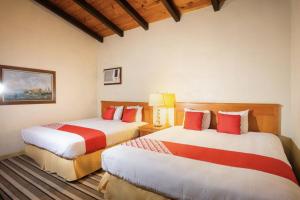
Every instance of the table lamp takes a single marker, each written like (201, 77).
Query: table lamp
(156, 100)
(169, 102)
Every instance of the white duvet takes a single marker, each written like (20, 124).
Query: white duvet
(183, 178)
(69, 145)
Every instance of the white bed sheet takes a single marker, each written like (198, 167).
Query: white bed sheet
(182, 178)
(69, 145)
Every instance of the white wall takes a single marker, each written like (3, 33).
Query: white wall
(31, 36)
(295, 72)
(240, 54)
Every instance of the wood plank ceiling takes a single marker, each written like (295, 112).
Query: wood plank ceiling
(102, 18)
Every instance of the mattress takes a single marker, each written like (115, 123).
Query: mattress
(69, 145)
(182, 178)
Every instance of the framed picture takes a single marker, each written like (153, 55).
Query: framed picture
(20, 85)
(113, 76)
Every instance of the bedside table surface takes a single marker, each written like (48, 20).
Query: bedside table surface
(152, 127)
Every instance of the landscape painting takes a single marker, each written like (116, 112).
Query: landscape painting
(26, 86)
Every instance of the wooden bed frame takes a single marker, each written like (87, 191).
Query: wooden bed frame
(262, 118)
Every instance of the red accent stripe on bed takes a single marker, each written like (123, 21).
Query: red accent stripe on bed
(233, 159)
(218, 156)
(94, 139)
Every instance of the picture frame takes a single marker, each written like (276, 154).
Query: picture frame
(22, 85)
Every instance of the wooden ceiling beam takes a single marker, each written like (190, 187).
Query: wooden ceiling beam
(172, 9)
(52, 7)
(216, 5)
(133, 13)
(90, 9)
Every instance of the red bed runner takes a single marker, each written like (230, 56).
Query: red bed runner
(218, 156)
(94, 139)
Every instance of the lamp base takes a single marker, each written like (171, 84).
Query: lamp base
(157, 122)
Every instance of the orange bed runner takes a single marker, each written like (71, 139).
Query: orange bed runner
(94, 139)
(218, 156)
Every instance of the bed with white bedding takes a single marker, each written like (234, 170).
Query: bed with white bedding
(184, 178)
(70, 146)
(65, 152)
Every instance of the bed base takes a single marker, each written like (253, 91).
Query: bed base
(115, 188)
(70, 170)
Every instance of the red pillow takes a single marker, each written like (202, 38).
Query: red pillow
(109, 113)
(229, 124)
(129, 115)
(193, 120)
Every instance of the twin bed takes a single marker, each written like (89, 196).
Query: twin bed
(222, 173)
(177, 163)
(73, 156)
(65, 154)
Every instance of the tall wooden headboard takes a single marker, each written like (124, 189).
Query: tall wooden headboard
(147, 110)
(262, 117)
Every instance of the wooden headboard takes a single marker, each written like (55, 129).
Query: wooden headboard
(147, 110)
(262, 117)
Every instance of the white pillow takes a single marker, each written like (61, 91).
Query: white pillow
(206, 117)
(118, 112)
(138, 116)
(244, 119)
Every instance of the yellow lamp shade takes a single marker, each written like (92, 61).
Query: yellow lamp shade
(169, 100)
(156, 99)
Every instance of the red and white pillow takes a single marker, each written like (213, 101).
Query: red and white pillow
(205, 121)
(117, 113)
(233, 122)
(113, 113)
(193, 120)
(129, 115)
(109, 113)
(138, 117)
(229, 124)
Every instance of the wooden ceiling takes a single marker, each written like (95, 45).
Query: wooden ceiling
(101, 18)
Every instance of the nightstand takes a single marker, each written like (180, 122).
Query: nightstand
(150, 128)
